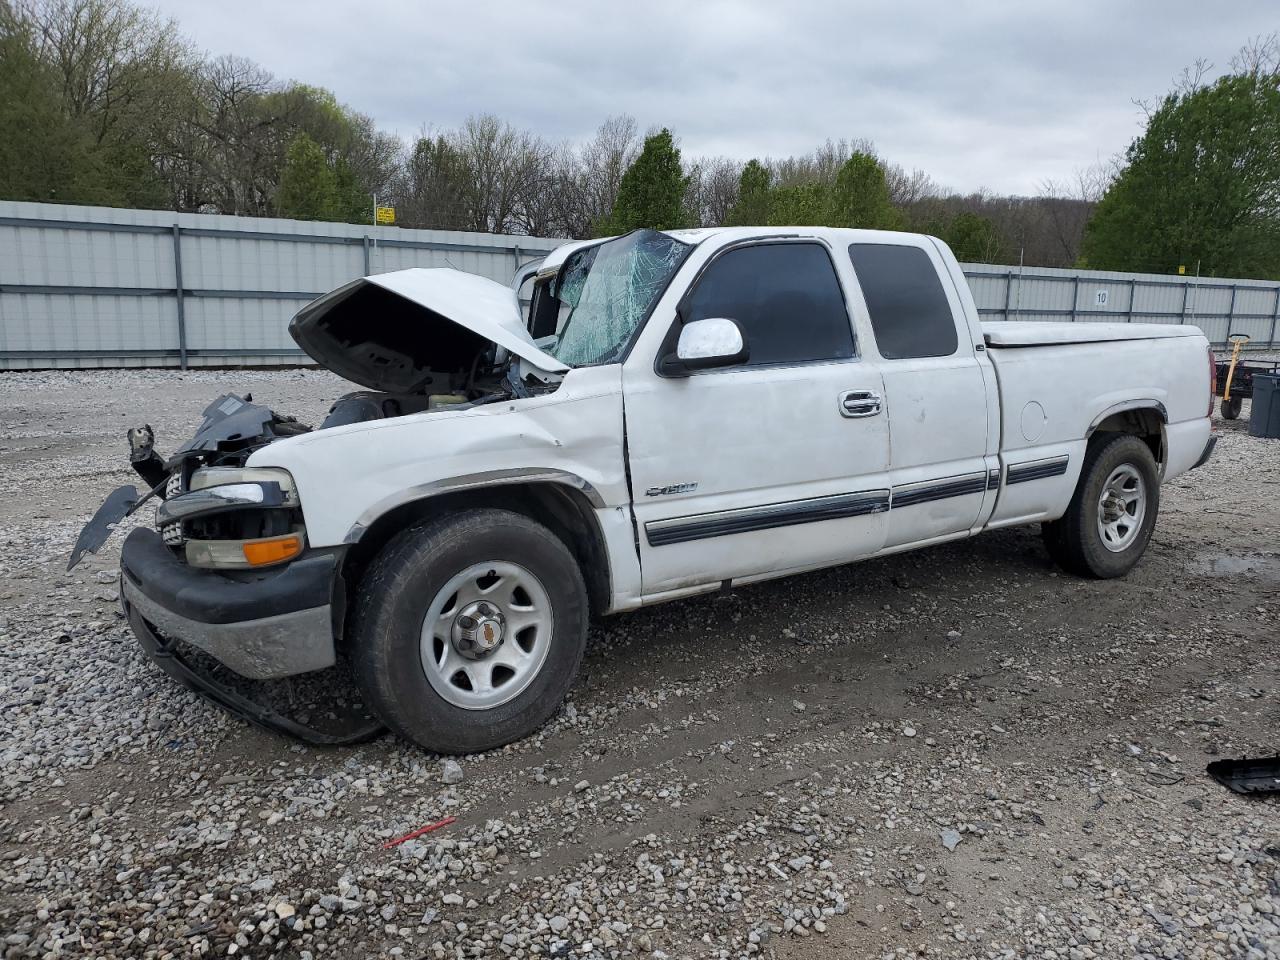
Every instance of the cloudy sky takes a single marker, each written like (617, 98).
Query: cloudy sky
(979, 94)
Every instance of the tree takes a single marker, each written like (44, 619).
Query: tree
(712, 190)
(308, 187)
(651, 193)
(802, 205)
(44, 155)
(1201, 184)
(973, 239)
(860, 197)
(593, 177)
(431, 190)
(752, 207)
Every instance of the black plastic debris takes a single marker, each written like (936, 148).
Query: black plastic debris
(95, 533)
(1247, 775)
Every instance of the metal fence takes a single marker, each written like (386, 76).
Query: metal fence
(100, 287)
(1218, 307)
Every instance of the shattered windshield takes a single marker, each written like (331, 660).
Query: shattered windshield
(606, 291)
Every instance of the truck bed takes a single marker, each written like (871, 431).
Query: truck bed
(1034, 333)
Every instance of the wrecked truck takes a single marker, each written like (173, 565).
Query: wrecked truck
(674, 413)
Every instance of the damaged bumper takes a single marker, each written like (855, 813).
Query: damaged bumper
(262, 625)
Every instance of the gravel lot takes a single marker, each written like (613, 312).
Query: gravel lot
(953, 753)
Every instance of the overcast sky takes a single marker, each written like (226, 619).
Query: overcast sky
(978, 94)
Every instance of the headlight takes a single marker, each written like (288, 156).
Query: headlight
(218, 476)
(236, 518)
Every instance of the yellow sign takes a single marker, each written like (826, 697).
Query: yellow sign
(1182, 269)
(384, 215)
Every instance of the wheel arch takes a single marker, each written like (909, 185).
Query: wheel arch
(1142, 418)
(565, 507)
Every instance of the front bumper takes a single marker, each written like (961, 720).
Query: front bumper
(262, 625)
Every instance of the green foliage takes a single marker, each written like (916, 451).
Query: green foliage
(752, 206)
(802, 205)
(350, 203)
(51, 149)
(973, 239)
(1201, 184)
(314, 188)
(860, 197)
(308, 187)
(652, 190)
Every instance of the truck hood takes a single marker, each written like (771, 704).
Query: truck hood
(394, 331)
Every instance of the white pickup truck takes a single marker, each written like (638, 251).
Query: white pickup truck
(672, 414)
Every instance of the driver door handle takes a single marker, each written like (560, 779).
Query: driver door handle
(859, 403)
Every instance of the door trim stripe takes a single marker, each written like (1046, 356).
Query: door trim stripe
(927, 491)
(1036, 470)
(747, 519)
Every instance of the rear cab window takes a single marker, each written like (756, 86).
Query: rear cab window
(910, 315)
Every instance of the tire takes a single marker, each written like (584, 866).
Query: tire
(444, 692)
(1121, 470)
(1230, 408)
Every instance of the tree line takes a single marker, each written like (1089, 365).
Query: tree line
(107, 103)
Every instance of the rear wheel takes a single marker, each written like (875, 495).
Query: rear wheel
(1107, 527)
(1230, 407)
(468, 630)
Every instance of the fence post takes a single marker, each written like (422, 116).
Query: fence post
(1231, 310)
(177, 289)
(1075, 296)
(1186, 289)
(1275, 315)
(367, 265)
(1008, 293)
(1133, 290)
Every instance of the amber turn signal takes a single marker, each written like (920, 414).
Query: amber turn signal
(259, 553)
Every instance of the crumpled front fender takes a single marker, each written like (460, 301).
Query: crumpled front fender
(349, 476)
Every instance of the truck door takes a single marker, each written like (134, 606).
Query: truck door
(770, 466)
(937, 394)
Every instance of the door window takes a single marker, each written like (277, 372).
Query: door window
(909, 311)
(784, 296)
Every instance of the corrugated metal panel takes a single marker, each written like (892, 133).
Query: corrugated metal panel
(95, 286)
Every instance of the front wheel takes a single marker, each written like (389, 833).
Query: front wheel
(469, 629)
(1107, 527)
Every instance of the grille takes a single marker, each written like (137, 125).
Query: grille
(171, 533)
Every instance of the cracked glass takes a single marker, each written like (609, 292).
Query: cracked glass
(606, 291)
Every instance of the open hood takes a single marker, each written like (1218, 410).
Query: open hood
(394, 331)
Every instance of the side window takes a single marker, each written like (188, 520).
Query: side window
(909, 310)
(786, 298)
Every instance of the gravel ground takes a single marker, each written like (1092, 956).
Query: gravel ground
(953, 753)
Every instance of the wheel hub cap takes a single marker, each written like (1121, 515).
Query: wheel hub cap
(478, 630)
(486, 635)
(1122, 506)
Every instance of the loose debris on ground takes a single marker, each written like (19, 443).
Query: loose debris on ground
(953, 753)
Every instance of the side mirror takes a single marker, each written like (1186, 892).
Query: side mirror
(705, 344)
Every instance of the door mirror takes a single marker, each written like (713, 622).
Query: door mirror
(708, 343)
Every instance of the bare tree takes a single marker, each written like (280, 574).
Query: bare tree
(502, 167)
(1260, 55)
(819, 166)
(1068, 205)
(591, 177)
(712, 189)
(117, 63)
(908, 187)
